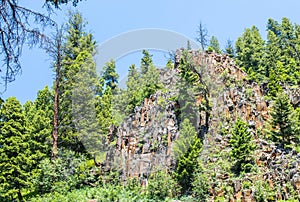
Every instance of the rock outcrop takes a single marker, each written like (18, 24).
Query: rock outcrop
(144, 140)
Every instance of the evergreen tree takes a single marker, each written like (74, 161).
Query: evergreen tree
(273, 53)
(273, 26)
(214, 45)
(289, 44)
(276, 79)
(146, 61)
(187, 149)
(14, 154)
(44, 101)
(150, 81)
(282, 120)
(84, 103)
(188, 45)
(106, 118)
(194, 79)
(78, 43)
(110, 105)
(242, 147)
(249, 53)
(39, 128)
(110, 75)
(229, 49)
(134, 90)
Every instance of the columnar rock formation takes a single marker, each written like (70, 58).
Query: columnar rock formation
(144, 140)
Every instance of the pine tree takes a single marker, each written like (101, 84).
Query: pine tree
(150, 81)
(282, 120)
(84, 103)
(146, 61)
(249, 53)
(134, 91)
(214, 45)
(14, 153)
(44, 101)
(39, 128)
(78, 42)
(110, 75)
(186, 149)
(276, 78)
(283, 46)
(273, 53)
(242, 147)
(229, 49)
(194, 80)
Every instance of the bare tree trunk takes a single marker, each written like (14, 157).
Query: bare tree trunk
(202, 36)
(55, 115)
(20, 197)
(55, 50)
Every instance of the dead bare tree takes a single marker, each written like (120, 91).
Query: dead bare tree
(18, 26)
(57, 3)
(202, 37)
(55, 49)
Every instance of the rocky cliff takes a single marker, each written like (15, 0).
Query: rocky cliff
(144, 140)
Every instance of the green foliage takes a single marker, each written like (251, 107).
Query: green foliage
(140, 85)
(187, 149)
(276, 61)
(77, 61)
(67, 172)
(200, 183)
(105, 111)
(214, 45)
(242, 147)
(150, 78)
(263, 192)
(274, 81)
(110, 75)
(250, 51)
(282, 120)
(134, 92)
(84, 104)
(229, 49)
(39, 117)
(161, 185)
(146, 61)
(15, 158)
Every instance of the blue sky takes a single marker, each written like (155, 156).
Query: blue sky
(106, 19)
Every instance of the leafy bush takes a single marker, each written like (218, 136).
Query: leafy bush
(67, 172)
(161, 185)
(200, 184)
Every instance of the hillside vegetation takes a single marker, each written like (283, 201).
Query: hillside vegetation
(213, 125)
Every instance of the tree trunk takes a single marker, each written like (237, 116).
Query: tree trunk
(55, 118)
(207, 112)
(20, 197)
(56, 52)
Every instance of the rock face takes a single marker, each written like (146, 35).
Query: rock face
(232, 94)
(144, 140)
(279, 166)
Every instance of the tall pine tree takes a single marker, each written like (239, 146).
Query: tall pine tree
(14, 151)
(78, 43)
(282, 120)
(249, 53)
(242, 147)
